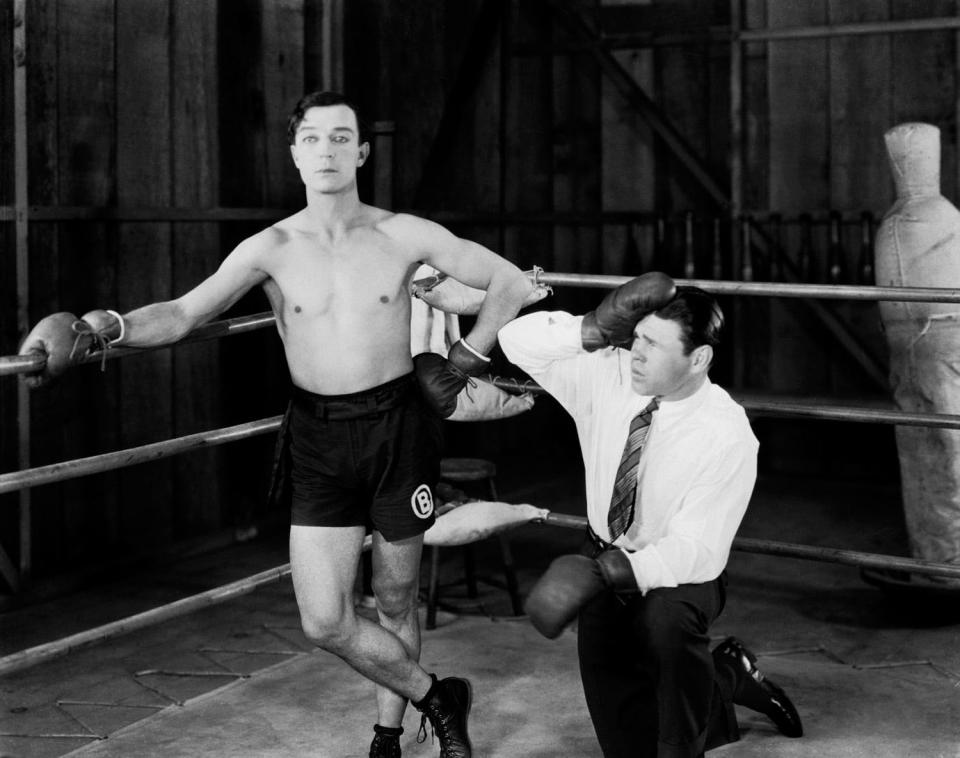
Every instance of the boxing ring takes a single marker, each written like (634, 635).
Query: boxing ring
(57, 472)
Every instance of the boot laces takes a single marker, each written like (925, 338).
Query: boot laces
(439, 725)
(422, 731)
(385, 747)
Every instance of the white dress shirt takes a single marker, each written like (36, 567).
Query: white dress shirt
(697, 468)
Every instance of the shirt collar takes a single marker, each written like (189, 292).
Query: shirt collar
(676, 408)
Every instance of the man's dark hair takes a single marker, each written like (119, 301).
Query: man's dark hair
(322, 99)
(698, 315)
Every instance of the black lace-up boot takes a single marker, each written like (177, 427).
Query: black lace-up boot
(447, 706)
(386, 741)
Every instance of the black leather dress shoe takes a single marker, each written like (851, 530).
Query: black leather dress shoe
(755, 690)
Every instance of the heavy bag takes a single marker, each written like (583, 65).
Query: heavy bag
(918, 245)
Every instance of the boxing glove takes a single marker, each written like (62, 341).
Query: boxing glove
(613, 321)
(66, 340)
(570, 583)
(441, 379)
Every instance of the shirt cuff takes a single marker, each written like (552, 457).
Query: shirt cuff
(650, 570)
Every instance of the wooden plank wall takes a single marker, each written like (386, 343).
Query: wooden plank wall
(815, 113)
(154, 104)
(826, 152)
(175, 103)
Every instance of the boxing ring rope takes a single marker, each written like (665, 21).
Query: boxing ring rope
(769, 289)
(61, 471)
(19, 364)
(95, 464)
(34, 655)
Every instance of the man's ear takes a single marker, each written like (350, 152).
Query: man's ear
(702, 357)
(364, 153)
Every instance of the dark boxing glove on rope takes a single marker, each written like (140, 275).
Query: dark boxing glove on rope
(441, 379)
(571, 582)
(613, 321)
(66, 340)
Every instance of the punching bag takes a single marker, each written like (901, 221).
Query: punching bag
(918, 245)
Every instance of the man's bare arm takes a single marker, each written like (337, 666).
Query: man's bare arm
(165, 322)
(507, 287)
(64, 340)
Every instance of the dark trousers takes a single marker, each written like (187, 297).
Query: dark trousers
(648, 675)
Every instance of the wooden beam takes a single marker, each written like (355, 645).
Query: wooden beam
(858, 28)
(214, 214)
(639, 99)
(23, 277)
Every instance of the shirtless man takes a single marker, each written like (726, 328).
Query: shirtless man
(363, 432)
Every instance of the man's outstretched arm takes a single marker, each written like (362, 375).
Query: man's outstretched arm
(66, 340)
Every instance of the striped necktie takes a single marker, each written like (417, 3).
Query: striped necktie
(623, 501)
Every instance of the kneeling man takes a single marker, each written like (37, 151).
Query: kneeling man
(670, 465)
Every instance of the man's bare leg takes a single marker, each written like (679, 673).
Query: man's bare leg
(396, 580)
(323, 563)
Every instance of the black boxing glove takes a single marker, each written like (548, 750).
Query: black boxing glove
(441, 379)
(65, 341)
(570, 583)
(613, 321)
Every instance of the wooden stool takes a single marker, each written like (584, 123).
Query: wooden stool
(465, 470)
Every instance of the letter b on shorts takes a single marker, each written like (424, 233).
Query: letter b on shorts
(421, 501)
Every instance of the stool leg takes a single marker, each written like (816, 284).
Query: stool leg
(469, 572)
(433, 588)
(510, 574)
(509, 571)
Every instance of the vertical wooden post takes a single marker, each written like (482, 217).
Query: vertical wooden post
(779, 251)
(383, 133)
(717, 251)
(503, 85)
(22, 258)
(689, 252)
(746, 250)
(332, 39)
(865, 271)
(736, 177)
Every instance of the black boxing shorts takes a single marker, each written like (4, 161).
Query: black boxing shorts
(369, 458)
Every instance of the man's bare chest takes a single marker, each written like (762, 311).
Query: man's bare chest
(315, 277)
